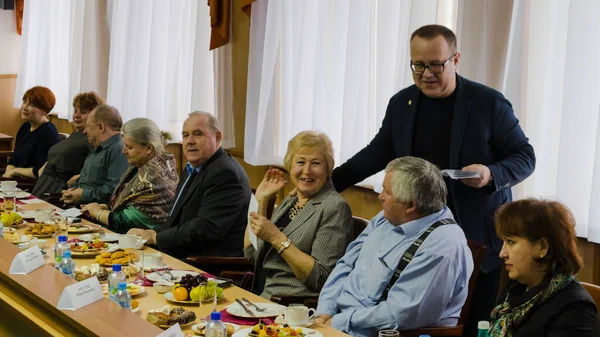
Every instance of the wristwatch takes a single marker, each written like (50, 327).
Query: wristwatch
(285, 244)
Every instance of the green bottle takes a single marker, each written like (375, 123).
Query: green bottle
(483, 328)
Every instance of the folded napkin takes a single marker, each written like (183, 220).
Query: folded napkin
(226, 317)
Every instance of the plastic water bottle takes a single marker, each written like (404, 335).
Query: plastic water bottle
(215, 328)
(1, 230)
(114, 279)
(122, 297)
(483, 328)
(67, 266)
(59, 248)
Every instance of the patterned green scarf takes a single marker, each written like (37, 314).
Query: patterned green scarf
(149, 189)
(505, 319)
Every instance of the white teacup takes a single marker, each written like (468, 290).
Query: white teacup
(43, 215)
(153, 260)
(130, 241)
(8, 185)
(298, 315)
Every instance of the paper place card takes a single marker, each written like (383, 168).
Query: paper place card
(80, 294)
(71, 212)
(27, 261)
(174, 331)
(253, 207)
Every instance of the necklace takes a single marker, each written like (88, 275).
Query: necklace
(295, 210)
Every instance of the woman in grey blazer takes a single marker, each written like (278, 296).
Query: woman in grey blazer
(309, 231)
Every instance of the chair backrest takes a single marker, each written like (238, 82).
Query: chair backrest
(477, 250)
(270, 205)
(359, 225)
(594, 291)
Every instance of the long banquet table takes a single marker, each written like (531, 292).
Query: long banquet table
(28, 302)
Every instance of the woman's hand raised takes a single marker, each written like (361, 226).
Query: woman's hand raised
(272, 183)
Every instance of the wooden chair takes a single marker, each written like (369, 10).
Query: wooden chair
(359, 225)
(477, 250)
(594, 291)
(240, 278)
(24, 183)
(308, 301)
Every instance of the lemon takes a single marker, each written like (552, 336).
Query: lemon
(6, 219)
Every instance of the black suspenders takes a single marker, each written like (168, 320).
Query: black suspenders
(410, 253)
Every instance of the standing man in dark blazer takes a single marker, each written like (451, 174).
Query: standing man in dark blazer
(456, 124)
(210, 210)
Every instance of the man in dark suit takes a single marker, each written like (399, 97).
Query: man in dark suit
(210, 211)
(456, 124)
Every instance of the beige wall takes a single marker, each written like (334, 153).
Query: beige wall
(10, 43)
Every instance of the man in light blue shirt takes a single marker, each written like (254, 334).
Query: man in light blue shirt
(432, 288)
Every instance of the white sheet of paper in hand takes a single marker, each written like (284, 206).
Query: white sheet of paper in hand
(71, 212)
(253, 207)
(459, 174)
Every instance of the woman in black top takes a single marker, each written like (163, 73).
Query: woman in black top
(35, 136)
(540, 254)
(66, 158)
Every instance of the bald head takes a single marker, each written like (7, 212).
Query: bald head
(108, 115)
(102, 123)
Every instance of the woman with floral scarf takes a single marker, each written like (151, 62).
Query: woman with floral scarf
(544, 298)
(146, 191)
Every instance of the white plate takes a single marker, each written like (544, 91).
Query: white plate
(111, 248)
(306, 331)
(149, 267)
(272, 310)
(136, 309)
(27, 214)
(154, 277)
(107, 237)
(197, 327)
(81, 229)
(18, 195)
(182, 326)
(141, 290)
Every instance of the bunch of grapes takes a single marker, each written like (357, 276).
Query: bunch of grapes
(189, 281)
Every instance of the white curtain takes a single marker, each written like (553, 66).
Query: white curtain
(55, 37)
(551, 78)
(148, 58)
(160, 66)
(330, 66)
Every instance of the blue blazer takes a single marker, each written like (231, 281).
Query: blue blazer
(484, 131)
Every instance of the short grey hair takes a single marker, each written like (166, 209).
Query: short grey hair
(144, 132)
(213, 122)
(417, 180)
(108, 115)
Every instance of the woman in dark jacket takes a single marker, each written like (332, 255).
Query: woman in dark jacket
(544, 297)
(35, 137)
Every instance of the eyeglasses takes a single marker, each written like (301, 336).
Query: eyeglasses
(436, 68)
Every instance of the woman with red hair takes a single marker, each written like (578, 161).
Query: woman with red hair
(35, 137)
